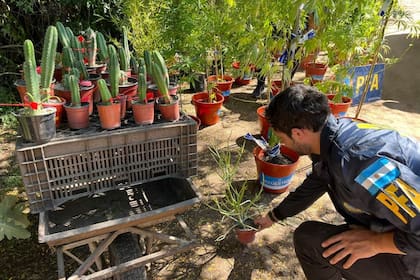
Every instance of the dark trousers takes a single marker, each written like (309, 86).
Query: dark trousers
(307, 241)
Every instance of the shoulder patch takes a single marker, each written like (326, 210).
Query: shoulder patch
(378, 175)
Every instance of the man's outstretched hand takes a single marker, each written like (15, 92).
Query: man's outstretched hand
(263, 221)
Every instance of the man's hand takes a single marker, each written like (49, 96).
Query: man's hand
(358, 244)
(263, 221)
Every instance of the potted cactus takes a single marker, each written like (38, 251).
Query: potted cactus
(121, 86)
(168, 104)
(143, 109)
(86, 82)
(108, 110)
(38, 123)
(77, 111)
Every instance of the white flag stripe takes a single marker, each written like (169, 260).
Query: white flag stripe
(377, 175)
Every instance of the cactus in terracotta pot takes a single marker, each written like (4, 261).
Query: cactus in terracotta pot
(106, 96)
(73, 82)
(142, 80)
(160, 75)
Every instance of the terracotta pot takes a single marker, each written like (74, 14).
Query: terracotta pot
(170, 112)
(77, 117)
(109, 115)
(245, 236)
(86, 94)
(21, 88)
(98, 68)
(208, 113)
(339, 109)
(316, 71)
(173, 89)
(263, 122)
(57, 103)
(275, 178)
(143, 113)
(129, 89)
(223, 83)
(122, 99)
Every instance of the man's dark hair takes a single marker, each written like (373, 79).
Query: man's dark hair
(298, 106)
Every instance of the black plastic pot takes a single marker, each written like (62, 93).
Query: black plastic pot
(39, 128)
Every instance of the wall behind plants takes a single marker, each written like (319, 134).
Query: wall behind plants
(28, 19)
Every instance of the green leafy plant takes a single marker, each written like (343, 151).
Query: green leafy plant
(339, 89)
(13, 222)
(234, 205)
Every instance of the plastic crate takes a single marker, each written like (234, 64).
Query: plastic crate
(77, 166)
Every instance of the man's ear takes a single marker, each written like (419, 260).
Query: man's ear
(297, 133)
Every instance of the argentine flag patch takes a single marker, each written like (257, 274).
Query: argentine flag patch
(378, 175)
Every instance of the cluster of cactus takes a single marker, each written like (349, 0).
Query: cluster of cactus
(159, 72)
(142, 80)
(90, 46)
(32, 80)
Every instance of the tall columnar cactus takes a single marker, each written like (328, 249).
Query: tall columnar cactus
(126, 48)
(103, 49)
(76, 47)
(104, 91)
(31, 76)
(68, 59)
(62, 34)
(75, 91)
(90, 46)
(48, 58)
(133, 65)
(123, 59)
(66, 81)
(114, 70)
(160, 75)
(148, 62)
(142, 80)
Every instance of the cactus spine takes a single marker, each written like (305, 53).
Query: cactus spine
(48, 58)
(142, 79)
(114, 70)
(105, 93)
(31, 76)
(90, 45)
(160, 75)
(75, 91)
(103, 49)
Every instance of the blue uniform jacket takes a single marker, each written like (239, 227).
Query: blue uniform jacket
(372, 175)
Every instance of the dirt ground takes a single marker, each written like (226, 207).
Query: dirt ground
(271, 255)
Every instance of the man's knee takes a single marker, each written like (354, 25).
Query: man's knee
(305, 235)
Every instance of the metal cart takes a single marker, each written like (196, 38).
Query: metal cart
(103, 190)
